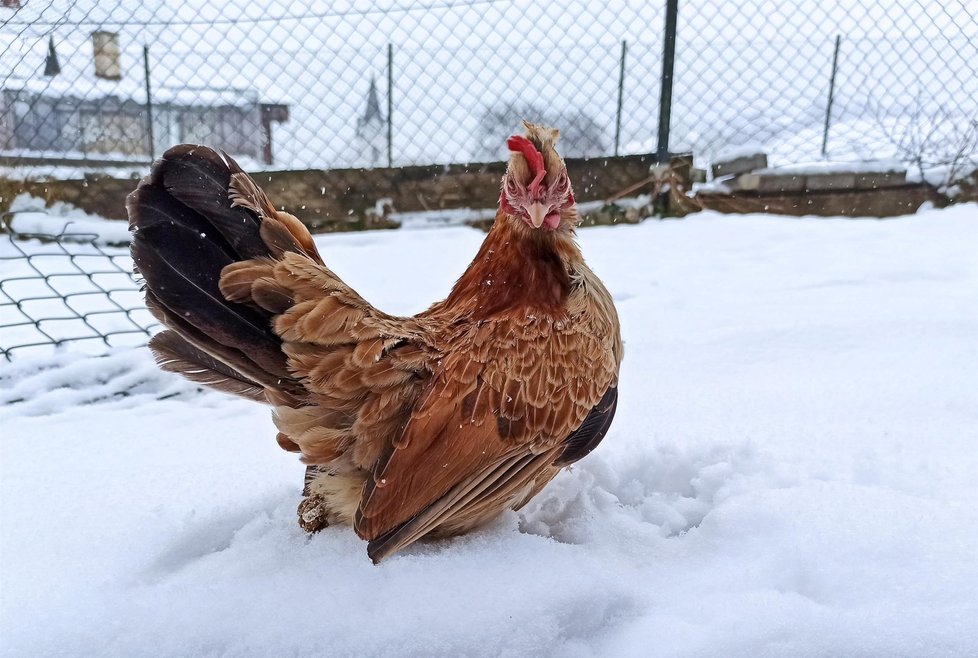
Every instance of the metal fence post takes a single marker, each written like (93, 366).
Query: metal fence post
(390, 104)
(621, 88)
(665, 96)
(149, 104)
(828, 107)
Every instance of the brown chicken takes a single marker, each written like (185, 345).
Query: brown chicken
(424, 426)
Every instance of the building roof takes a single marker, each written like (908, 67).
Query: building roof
(372, 114)
(51, 65)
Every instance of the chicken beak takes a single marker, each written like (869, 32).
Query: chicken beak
(537, 213)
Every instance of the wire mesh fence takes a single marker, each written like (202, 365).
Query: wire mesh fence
(349, 84)
(106, 85)
(67, 289)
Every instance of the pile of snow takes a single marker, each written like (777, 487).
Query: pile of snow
(32, 216)
(791, 473)
(947, 178)
(442, 218)
(49, 384)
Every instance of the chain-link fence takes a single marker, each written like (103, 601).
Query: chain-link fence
(88, 85)
(68, 289)
(308, 84)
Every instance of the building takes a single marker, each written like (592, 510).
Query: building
(372, 131)
(87, 101)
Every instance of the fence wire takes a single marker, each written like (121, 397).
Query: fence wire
(67, 289)
(304, 84)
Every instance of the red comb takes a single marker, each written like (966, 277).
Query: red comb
(533, 157)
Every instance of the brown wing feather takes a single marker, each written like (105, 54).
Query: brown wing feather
(486, 492)
(510, 481)
(279, 229)
(526, 394)
(361, 369)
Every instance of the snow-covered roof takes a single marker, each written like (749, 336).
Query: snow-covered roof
(372, 113)
(23, 64)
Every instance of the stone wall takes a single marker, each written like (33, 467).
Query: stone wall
(344, 199)
(832, 189)
(99, 195)
(868, 202)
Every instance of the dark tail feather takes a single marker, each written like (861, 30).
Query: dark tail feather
(174, 354)
(232, 358)
(198, 178)
(587, 437)
(185, 231)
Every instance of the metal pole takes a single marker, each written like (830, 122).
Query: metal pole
(621, 88)
(665, 98)
(390, 103)
(828, 107)
(149, 104)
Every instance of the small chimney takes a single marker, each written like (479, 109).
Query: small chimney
(12, 4)
(51, 65)
(107, 55)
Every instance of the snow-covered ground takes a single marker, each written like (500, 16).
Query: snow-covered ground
(791, 473)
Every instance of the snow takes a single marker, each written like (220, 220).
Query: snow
(90, 87)
(791, 473)
(737, 152)
(31, 215)
(939, 176)
(438, 218)
(828, 167)
(105, 232)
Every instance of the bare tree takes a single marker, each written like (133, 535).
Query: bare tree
(943, 147)
(580, 134)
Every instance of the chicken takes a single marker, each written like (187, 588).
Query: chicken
(425, 426)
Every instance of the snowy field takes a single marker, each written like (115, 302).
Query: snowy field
(791, 473)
